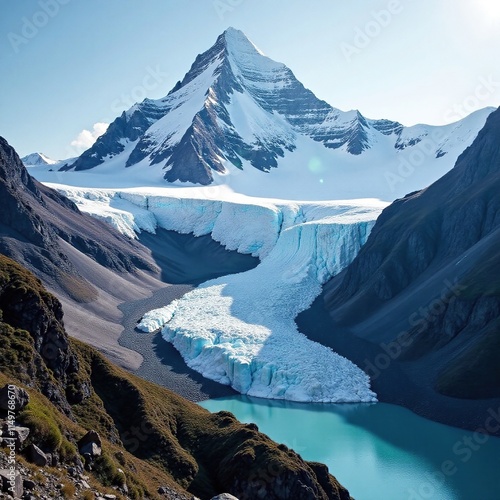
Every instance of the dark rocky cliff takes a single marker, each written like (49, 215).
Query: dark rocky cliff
(422, 298)
(35, 220)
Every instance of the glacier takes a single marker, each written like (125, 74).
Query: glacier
(239, 329)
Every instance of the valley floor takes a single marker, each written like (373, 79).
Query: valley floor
(162, 363)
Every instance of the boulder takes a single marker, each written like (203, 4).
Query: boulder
(16, 434)
(13, 398)
(79, 466)
(36, 456)
(28, 484)
(90, 437)
(12, 482)
(91, 449)
(84, 485)
(224, 496)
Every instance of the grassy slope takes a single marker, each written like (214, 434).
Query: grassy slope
(153, 435)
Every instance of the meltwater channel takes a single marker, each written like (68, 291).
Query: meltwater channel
(379, 451)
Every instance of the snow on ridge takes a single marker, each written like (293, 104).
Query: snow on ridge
(35, 159)
(239, 330)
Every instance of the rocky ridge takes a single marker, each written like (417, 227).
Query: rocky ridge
(422, 298)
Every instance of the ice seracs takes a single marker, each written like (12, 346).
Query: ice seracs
(239, 330)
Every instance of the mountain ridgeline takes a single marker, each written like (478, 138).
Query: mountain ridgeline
(422, 298)
(36, 222)
(237, 109)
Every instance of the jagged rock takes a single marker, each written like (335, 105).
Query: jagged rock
(79, 466)
(224, 496)
(90, 447)
(91, 437)
(421, 297)
(36, 455)
(13, 398)
(85, 485)
(12, 482)
(52, 459)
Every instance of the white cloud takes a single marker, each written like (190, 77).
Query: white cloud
(86, 138)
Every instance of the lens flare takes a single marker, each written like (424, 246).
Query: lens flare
(315, 165)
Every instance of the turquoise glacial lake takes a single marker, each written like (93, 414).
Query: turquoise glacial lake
(379, 451)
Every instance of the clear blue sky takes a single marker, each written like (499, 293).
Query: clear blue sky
(426, 61)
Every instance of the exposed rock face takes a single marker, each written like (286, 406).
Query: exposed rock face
(35, 219)
(36, 455)
(11, 483)
(430, 270)
(15, 434)
(129, 125)
(25, 305)
(308, 483)
(90, 446)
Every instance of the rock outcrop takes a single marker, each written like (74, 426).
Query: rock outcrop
(13, 398)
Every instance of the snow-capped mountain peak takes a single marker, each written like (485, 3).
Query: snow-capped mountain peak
(37, 159)
(238, 42)
(238, 114)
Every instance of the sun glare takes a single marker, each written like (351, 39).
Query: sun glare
(488, 9)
